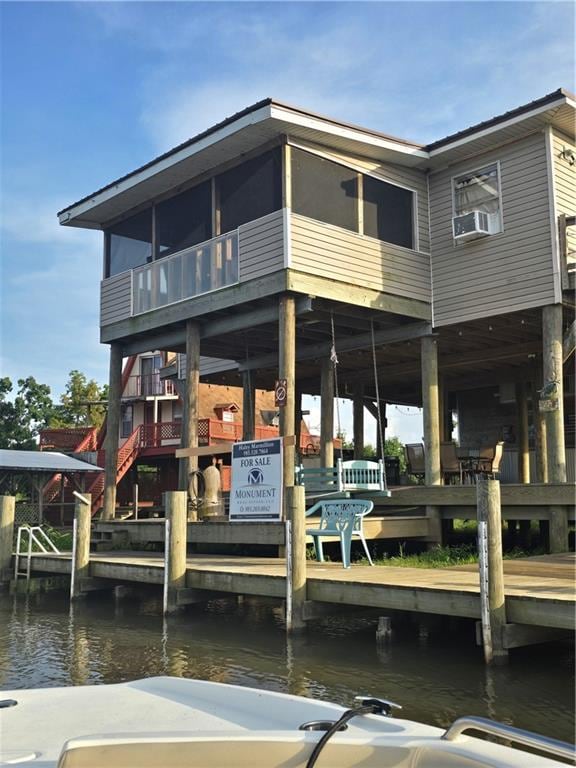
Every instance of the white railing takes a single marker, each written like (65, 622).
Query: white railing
(200, 269)
(35, 536)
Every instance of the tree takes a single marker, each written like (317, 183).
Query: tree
(394, 447)
(83, 403)
(22, 419)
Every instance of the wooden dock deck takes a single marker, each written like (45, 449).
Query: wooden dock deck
(539, 591)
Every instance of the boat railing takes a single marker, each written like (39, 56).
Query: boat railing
(535, 741)
(36, 536)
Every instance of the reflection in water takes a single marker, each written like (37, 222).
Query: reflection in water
(437, 674)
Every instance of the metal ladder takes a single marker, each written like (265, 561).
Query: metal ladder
(35, 536)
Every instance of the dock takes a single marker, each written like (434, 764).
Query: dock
(539, 591)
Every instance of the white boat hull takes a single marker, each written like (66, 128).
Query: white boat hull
(177, 723)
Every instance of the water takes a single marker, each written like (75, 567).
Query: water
(436, 676)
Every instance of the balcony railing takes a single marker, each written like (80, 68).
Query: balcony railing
(204, 267)
(148, 385)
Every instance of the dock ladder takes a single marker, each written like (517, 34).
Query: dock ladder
(39, 537)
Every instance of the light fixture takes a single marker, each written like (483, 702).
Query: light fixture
(568, 155)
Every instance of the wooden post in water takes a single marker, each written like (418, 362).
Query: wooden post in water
(112, 432)
(176, 503)
(7, 507)
(295, 558)
(327, 413)
(287, 370)
(80, 543)
(491, 570)
(539, 431)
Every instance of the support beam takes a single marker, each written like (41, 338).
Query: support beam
(191, 406)
(112, 432)
(358, 420)
(558, 530)
(81, 545)
(296, 601)
(287, 370)
(522, 431)
(176, 503)
(327, 413)
(431, 420)
(248, 406)
(489, 513)
(7, 507)
(539, 425)
(552, 373)
(350, 344)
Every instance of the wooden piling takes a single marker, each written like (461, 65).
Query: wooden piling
(81, 544)
(287, 371)
(296, 561)
(7, 507)
(431, 416)
(327, 413)
(112, 432)
(176, 503)
(552, 374)
(523, 444)
(494, 618)
(558, 530)
(189, 464)
(539, 424)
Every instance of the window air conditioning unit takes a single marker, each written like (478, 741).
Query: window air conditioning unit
(470, 226)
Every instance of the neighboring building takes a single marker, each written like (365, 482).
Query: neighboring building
(279, 224)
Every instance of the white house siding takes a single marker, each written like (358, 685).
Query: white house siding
(261, 246)
(501, 273)
(565, 186)
(338, 254)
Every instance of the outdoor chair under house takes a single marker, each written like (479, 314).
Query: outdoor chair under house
(340, 519)
(415, 460)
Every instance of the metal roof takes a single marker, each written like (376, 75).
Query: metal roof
(43, 461)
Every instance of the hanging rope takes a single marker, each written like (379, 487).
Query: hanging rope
(334, 360)
(378, 411)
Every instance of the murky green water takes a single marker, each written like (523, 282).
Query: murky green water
(436, 676)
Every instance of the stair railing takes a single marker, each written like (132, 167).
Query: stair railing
(36, 535)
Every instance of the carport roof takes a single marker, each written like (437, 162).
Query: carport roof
(42, 461)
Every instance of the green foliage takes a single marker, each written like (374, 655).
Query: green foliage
(393, 447)
(82, 403)
(62, 540)
(22, 419)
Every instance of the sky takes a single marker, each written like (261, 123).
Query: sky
(91, 90)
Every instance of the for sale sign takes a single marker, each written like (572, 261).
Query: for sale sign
(257, 473)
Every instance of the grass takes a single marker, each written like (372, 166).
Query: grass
(443, 557)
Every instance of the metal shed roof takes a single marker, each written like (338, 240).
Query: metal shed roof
(43, 461)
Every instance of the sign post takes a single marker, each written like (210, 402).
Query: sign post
(257, 472)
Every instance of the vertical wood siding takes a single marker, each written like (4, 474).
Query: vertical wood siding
(565, 186)
(338, 254)
(405, 177)
(261, 246)
(115, 298)
(500, 273)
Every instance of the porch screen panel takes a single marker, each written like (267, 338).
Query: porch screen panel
(388, 212)
(183, 220)
(324, 190)
(129, 243)
(250, 191)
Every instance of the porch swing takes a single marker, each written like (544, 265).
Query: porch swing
(354, 476)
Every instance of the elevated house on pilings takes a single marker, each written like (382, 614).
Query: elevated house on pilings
(279, 234)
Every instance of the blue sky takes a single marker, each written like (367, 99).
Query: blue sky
(91, 90)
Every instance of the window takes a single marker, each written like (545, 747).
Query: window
(388, 212)
(250, 190)
(129, 243)
(479, 190)
(184, 220)
(324, 190)
(126, 427)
